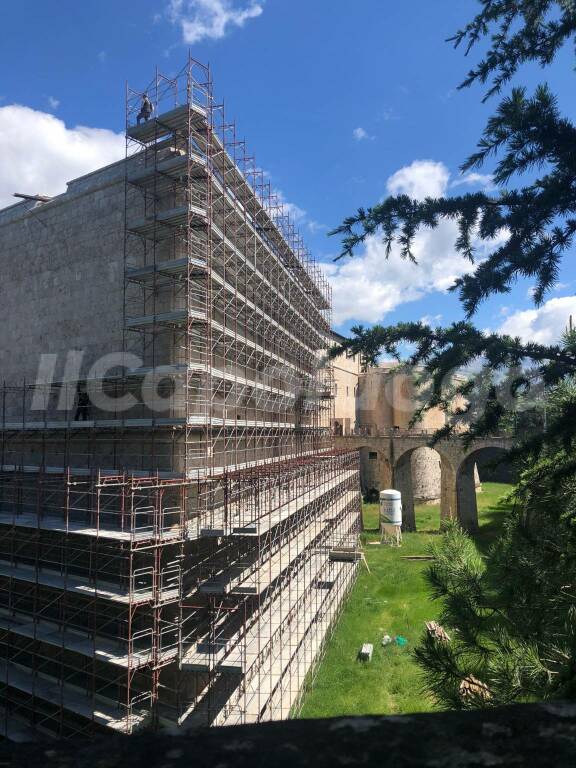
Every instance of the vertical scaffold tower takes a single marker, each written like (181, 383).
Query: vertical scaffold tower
(181, 557)
(234, 297)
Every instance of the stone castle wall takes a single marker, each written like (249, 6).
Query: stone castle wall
(63, 276)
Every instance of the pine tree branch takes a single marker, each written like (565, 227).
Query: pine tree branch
(519, 31)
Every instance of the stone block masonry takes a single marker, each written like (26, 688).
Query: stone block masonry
(62, 276)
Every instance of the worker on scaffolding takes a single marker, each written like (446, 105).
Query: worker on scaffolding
(83, 404)
(146, 110)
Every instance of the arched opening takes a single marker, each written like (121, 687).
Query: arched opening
(425, 478)
(483, 465)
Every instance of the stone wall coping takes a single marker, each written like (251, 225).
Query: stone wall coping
(87, 184)
(530, 734)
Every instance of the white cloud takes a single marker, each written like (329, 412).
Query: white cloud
(360, 134)
(388, 113)
(298, 215)
(472, 179)
(431, 319)
(54, 103)
(200, 19)
(39, 154)
(369, 286)
(315, 226)
(531, 290)
(420, 179)
(544, 324)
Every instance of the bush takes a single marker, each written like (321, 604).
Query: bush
(372, 496)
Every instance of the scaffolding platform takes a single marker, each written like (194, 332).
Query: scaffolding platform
(97, 709)
(269, 694)
(61, 525)
(15, 729)
(223, 524)
(88, 424)
(170, 267)
(237, 654)
(201, 421)
(177, 317)
(161, 177)
(253, 579)
(162, 224)
(176, 120)
(80, 586)
(345, 554)
(99, 648)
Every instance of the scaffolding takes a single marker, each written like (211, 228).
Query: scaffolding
(91, 571)
(179, 555)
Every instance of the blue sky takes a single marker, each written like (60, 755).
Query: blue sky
(341, 101)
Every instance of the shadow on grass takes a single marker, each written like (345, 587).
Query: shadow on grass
(491, 524)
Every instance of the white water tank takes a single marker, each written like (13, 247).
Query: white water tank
(391, 507)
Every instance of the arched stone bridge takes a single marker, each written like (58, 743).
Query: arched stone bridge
(386, 463)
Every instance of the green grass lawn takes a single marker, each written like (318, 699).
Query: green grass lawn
(392, 599)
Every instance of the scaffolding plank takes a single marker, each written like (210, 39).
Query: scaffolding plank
(166, 172)
(61, 525)
(164, 223)
(237, 654)
(14, 729)
(99, 648)
(98, 709)
(168, 267)
(238, 522)
(103, 590)
(175, 120)
(290, 659)
(176, 317)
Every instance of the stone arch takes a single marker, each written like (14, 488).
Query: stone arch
(483, 458)
(403, 481)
